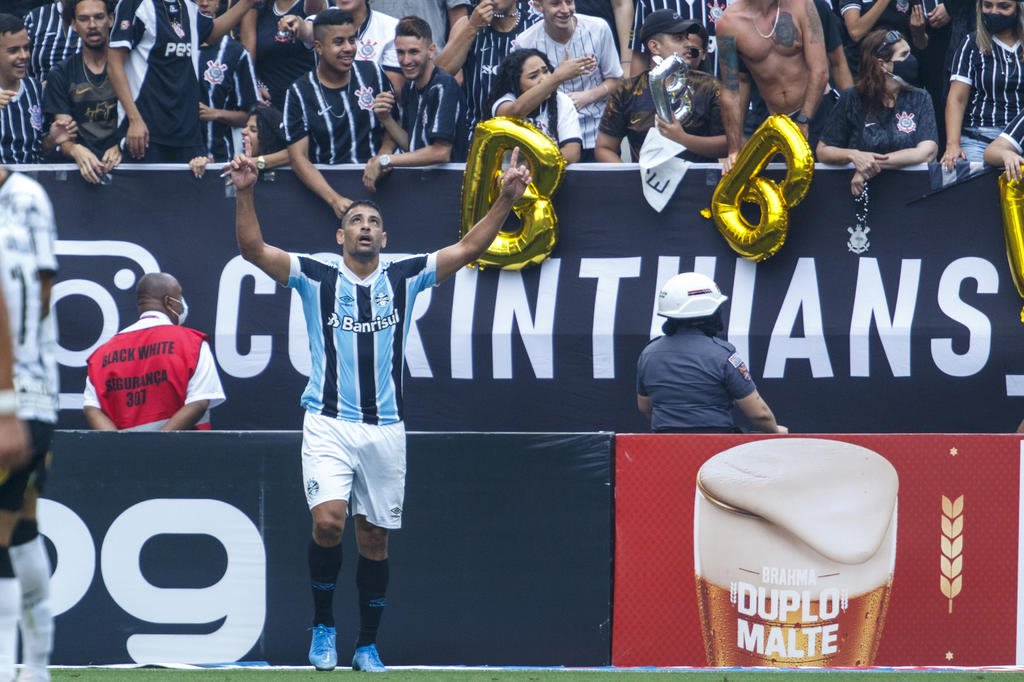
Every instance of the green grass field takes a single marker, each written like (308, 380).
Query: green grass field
(502, 675)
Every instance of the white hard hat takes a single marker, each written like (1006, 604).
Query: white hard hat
(689, 295)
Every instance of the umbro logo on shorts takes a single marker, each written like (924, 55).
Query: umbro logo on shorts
(396, 512)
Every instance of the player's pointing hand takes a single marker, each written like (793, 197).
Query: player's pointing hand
(241, 172)
(515, 180)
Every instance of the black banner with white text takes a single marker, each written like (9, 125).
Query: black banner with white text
(910, 325)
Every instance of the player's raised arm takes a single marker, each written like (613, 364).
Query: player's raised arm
(513, 183)
(242, 173)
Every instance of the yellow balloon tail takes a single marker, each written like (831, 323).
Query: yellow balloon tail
(706, 212)
(1022, 315)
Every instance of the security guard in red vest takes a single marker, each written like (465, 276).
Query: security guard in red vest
(155, 375)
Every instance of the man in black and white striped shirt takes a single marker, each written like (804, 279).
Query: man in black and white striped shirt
(21, 98)
(564, 34)
(51, 37)
(228, 85)
(328, 113)
(433, 112)
(478, 44)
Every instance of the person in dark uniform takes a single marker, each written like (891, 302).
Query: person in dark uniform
(688, 380)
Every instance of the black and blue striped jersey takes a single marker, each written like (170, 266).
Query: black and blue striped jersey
(357, 330)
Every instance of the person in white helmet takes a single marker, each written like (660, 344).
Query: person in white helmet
(688, 380)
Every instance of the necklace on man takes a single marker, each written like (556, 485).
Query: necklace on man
(174, 12)
(88, 77)
(505, 15)
(775, 24)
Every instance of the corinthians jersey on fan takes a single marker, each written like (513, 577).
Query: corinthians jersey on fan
(228, 82)
(338, 121)
(480, 70)
(163, 37)
(51, 40)
(21, 125)
(357, 331)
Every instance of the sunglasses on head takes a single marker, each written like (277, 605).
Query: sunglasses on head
(890, 39)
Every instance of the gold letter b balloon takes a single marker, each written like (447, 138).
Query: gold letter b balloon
(1011, 197)
(744, 184)
(539, 231)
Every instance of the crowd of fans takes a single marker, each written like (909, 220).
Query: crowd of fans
(389, 83)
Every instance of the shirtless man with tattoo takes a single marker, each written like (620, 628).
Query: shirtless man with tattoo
(783, 50)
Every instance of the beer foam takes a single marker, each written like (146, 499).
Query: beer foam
(836, 497)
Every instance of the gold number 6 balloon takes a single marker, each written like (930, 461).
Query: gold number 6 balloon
(538, 234)
(1011, 198)
(744, 184)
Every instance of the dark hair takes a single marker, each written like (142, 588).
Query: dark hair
(9, 23)
(269, 128)
(357, 203)
(711, 324)
(414, 27)
(331, 16)
(870, 81)
(508, 81)
(70, 8)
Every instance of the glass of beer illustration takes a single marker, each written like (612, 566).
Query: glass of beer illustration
(794, 549)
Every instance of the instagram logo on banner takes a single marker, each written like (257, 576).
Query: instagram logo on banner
(794, 549)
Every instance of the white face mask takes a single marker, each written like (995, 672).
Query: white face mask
(183, 315)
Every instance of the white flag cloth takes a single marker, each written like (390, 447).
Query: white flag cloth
(660, 170)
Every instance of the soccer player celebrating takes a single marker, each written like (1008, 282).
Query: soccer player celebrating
(353, 436)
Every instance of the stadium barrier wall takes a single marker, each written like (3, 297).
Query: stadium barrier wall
(192, 547)
(955, 587)
(902, 320)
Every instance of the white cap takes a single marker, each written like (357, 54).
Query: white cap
(689, 295)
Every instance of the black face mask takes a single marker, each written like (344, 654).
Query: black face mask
(906, 70)
(996, 23)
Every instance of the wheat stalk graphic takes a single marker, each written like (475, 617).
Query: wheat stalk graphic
(952, 560)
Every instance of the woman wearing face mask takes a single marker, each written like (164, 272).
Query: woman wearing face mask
(986, 83)
(882, 122)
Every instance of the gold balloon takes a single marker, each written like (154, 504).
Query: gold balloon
(744, 184)
(1011, 197)
(480, 186)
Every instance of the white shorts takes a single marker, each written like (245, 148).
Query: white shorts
(363, 464)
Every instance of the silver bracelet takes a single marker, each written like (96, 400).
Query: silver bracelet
(8, 403)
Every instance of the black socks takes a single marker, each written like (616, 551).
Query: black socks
(372, 583)
(324, 564)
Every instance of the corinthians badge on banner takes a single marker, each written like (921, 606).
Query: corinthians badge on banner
(794, 548)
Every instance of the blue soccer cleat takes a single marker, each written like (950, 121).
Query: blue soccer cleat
(367, 660)
(323, 653)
